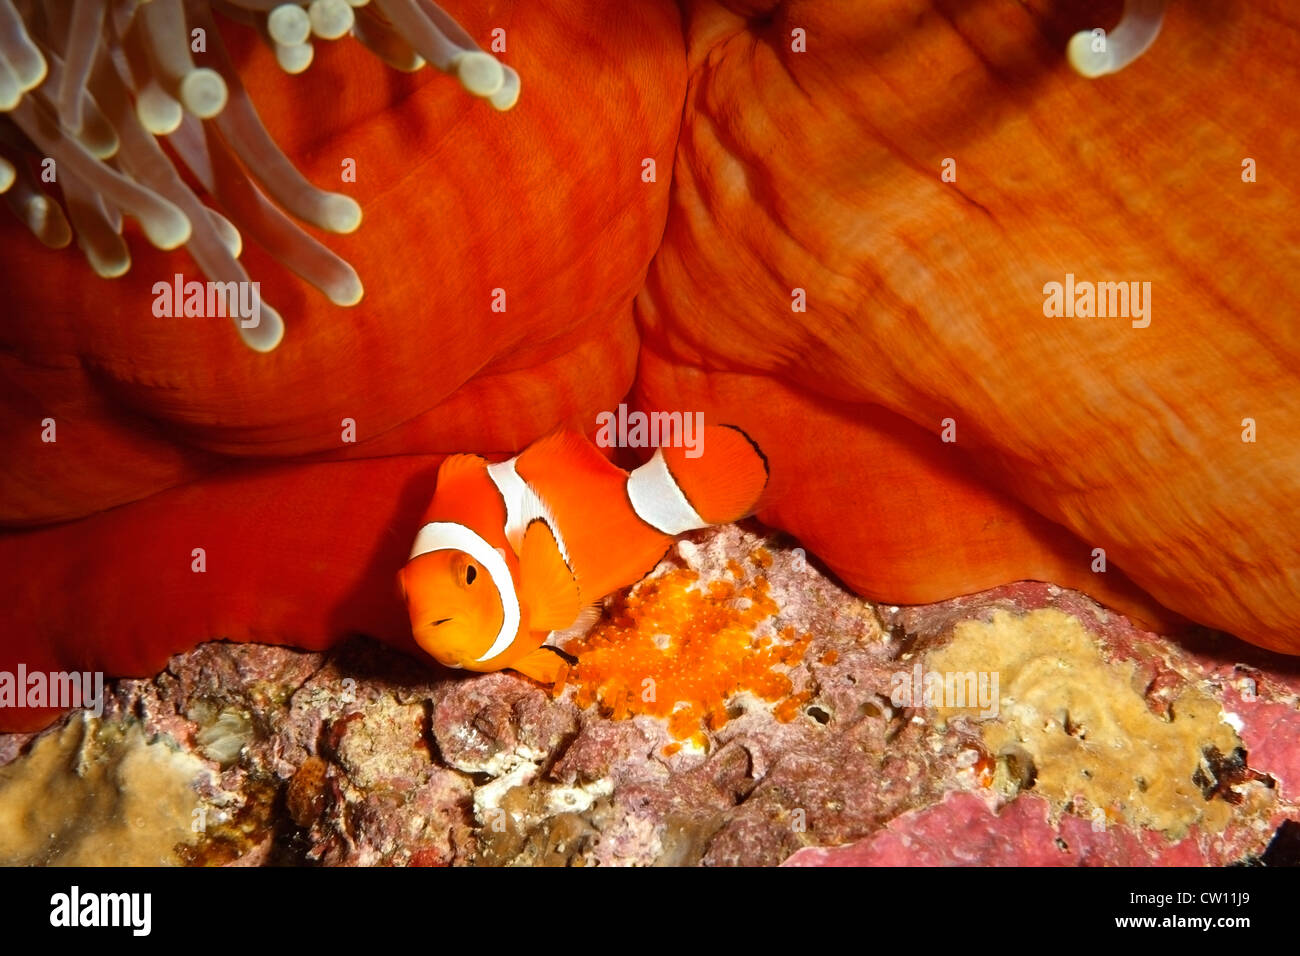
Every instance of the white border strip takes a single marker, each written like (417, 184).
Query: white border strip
(449, 536)
(523, 506)
(513, 492)
(658, 501)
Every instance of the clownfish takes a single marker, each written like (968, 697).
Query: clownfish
(508, 553)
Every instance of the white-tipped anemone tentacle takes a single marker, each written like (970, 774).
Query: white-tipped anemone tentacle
(449, 536)
(330, 19)
(1094, 53)
(289, 25)
(55, 59)
(444, 45)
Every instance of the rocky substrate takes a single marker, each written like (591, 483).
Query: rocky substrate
(1025, 725)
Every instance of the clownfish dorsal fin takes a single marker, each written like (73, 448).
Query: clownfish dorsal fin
(546, 582)
(454, 465)
(564, 442)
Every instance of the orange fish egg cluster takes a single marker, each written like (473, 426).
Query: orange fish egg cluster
(676, 650)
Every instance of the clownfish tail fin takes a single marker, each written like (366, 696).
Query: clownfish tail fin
(720, 480)
(726, 478)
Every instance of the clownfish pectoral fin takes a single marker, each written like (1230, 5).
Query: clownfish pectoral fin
(542, 665)
(546, 582)
(583, 623)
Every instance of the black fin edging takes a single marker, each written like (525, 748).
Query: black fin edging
(767, 470)
(564, 655)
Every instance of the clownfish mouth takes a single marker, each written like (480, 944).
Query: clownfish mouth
(441, 621)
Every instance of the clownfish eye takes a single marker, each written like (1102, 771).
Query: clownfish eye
(464, 570)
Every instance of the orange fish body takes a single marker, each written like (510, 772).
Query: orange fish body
(508, 553)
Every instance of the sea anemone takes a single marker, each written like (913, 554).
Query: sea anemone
(1095, 53)
(87, 87)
